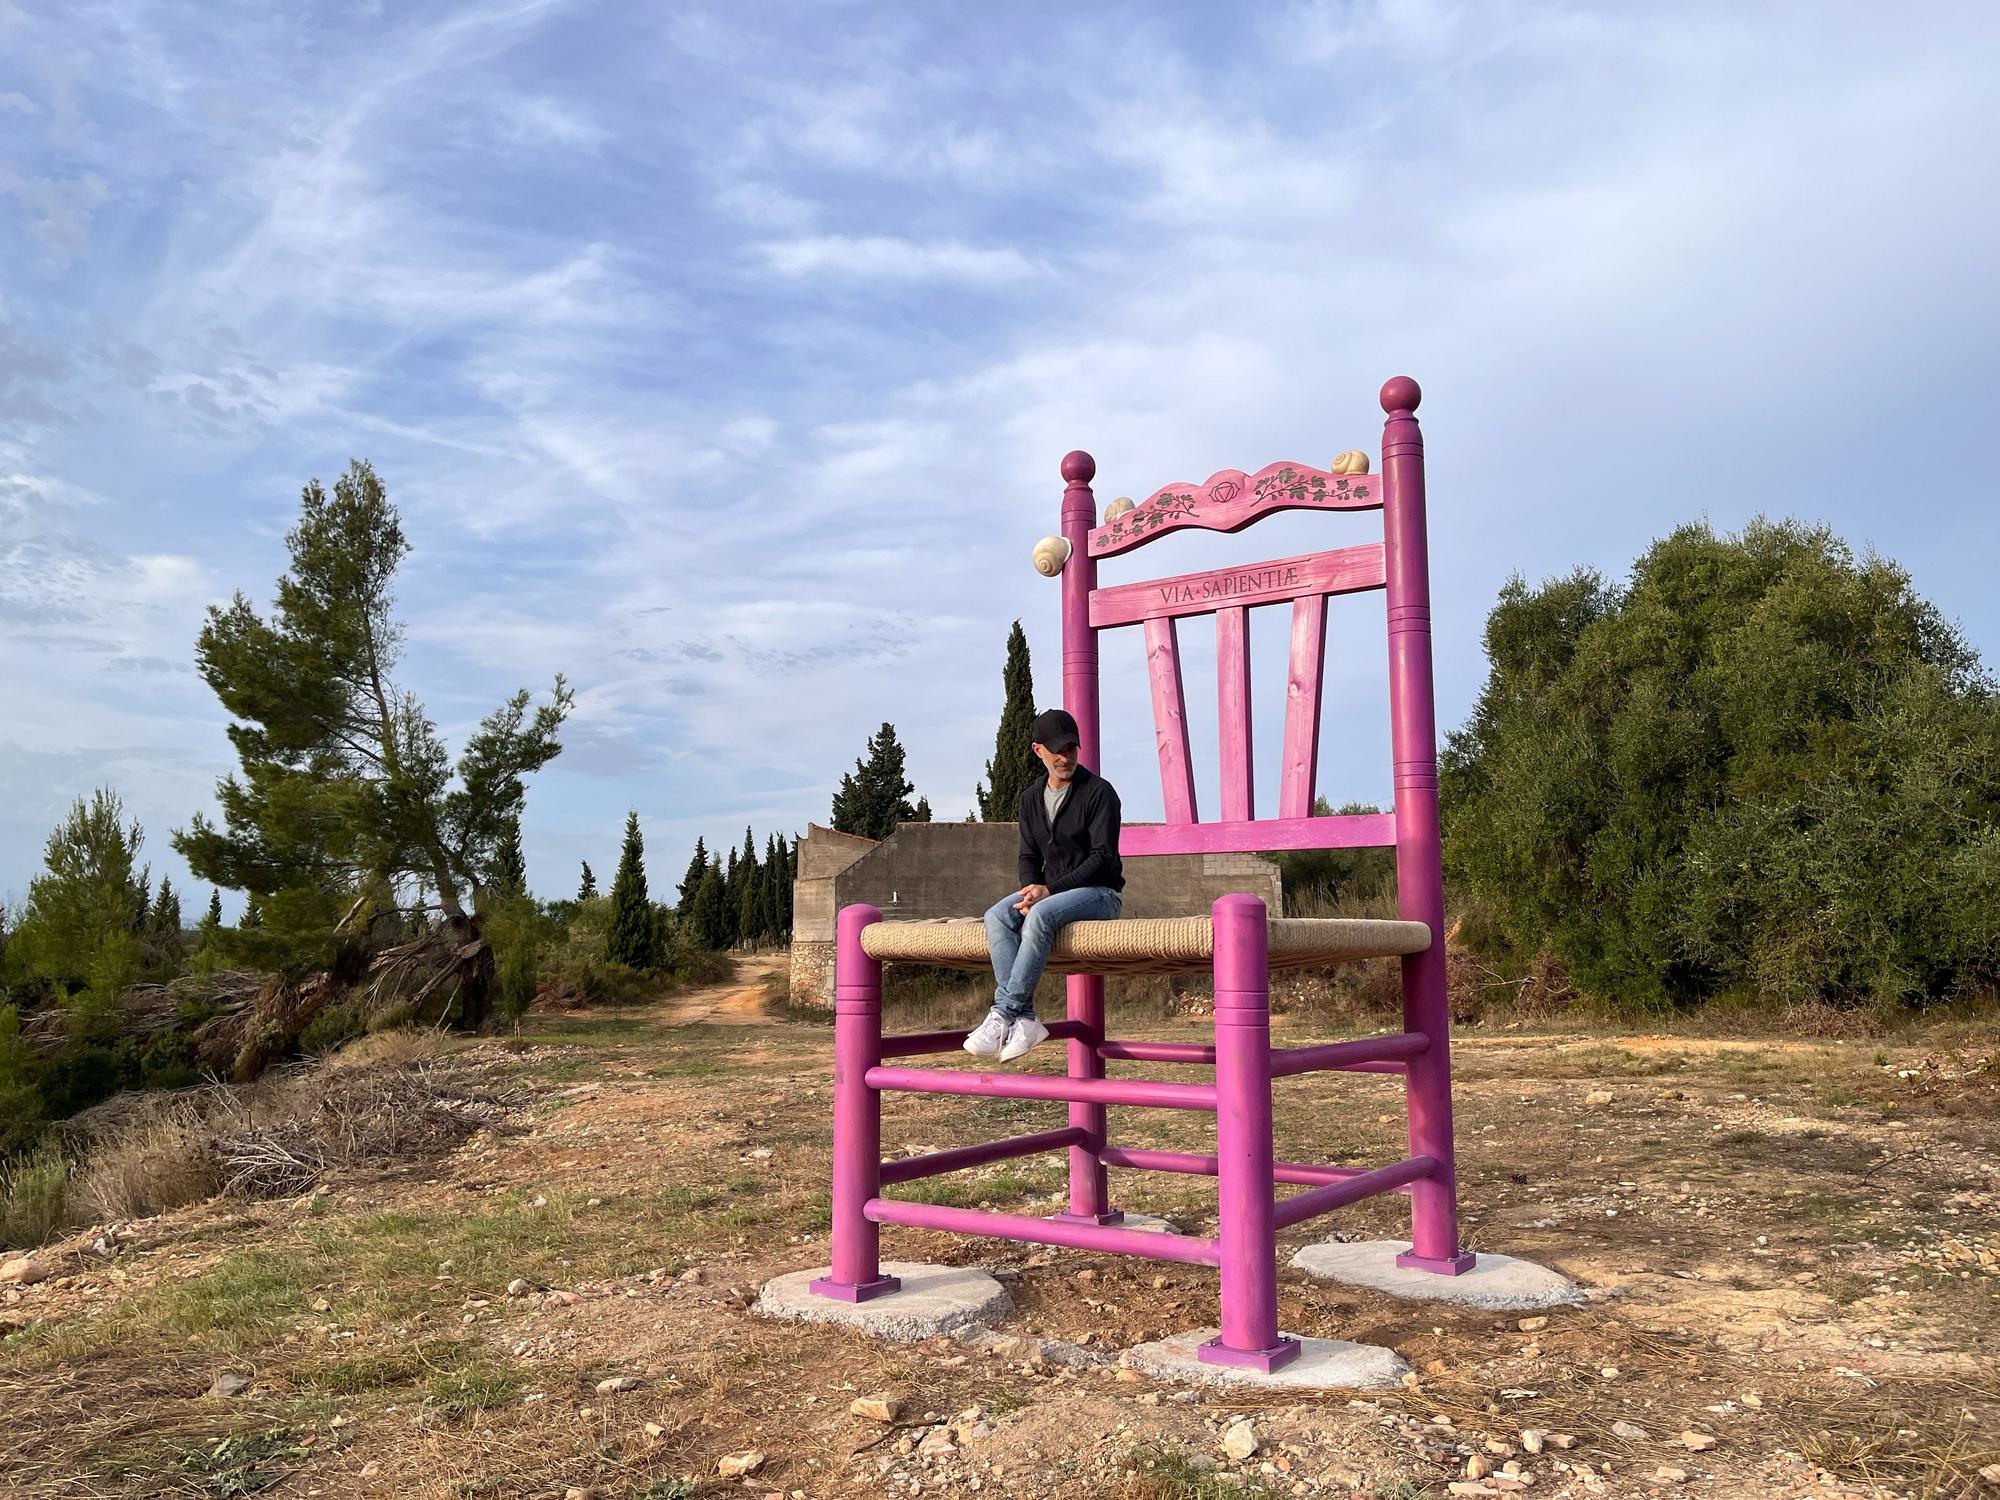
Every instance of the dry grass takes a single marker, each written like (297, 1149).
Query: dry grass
(383, 1299)
(404, 1045)
(160, 1160)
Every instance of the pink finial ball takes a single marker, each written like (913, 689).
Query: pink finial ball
(1400, 393)
(1079, 467)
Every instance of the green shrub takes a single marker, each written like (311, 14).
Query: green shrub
(34, 1198)
(333, 1027)
(1760, 765)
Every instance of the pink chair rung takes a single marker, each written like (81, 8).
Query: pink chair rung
(1244, 1163)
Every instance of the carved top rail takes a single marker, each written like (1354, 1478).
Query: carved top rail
(1231, 500)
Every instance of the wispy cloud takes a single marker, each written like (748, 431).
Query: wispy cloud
(724, 361)
(896, 259)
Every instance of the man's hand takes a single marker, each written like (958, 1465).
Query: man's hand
(1029, 896)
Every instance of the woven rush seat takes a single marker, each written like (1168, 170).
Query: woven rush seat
(1148, 945)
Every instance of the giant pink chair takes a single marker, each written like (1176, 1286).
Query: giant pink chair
(1238, 939)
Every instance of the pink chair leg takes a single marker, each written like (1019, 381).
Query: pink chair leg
(1419, 877)
(1089, 1192)
(856, 1273)
(1249, 1337)
(1433, 1199)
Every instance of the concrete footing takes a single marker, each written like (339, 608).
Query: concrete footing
(1499, 1283)
(1150, 1223)
(1321, 1363)
(933, 1300)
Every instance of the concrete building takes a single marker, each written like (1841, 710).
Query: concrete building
(960, 869)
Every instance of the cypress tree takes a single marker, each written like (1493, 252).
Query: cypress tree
(923, 813)
(749, 881)
(691, 882)
(631, 938)
(785, 886)
(748, 907)
(1013, 765)
(711, 928)
(732, 892)
(774, 879)
(589, 887)
(510, 865)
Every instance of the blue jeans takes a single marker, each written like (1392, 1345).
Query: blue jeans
(1020, 945)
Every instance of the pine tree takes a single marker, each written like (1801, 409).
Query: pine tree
(875, 796)
(588, 889)
(214, 918)
(345, 787)
(1013, 766)
(631, 939)
(165, 918)
(253, 913)
(691, 882)
(77, 930)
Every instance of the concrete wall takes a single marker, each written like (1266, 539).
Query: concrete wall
(824, 854)
(959, 869)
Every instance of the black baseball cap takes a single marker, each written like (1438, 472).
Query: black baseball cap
(1053, 728)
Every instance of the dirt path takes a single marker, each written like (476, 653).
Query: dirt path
(742, 1001)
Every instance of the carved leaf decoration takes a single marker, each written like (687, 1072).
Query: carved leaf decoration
(1229, 492)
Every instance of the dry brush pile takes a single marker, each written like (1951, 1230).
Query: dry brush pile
(384, 1102)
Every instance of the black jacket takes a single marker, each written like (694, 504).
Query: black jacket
(1082, 848)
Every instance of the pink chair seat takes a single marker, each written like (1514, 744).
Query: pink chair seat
(1150, 945)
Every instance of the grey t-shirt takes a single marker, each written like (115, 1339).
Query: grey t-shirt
(1052, 799)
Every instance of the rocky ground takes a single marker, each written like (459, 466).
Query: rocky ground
(1791, 1244)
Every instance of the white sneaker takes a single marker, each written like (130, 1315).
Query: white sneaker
(988, 1037)
(1022, 1035)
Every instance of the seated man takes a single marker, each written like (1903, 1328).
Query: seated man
(1070, 872)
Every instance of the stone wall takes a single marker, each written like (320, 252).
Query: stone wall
(959, 869)
(812, 973)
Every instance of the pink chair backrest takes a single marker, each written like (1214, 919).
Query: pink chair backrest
(1230, 501)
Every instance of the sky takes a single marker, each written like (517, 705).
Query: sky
(722, 357)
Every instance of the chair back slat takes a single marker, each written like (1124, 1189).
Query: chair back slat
(1344, 570)
(1170, 730)
(1232, 661)
(1300, 771)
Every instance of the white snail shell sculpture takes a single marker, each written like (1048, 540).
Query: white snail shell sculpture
(1051, 552)
(1121, 506)
(1353, 461)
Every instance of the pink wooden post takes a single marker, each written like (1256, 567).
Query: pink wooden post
(1302, 708)
(1249, 1338)
(1419, 881)
(1089, 1190)
(1170, 729)
(1232, 662)
(856, 1274)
